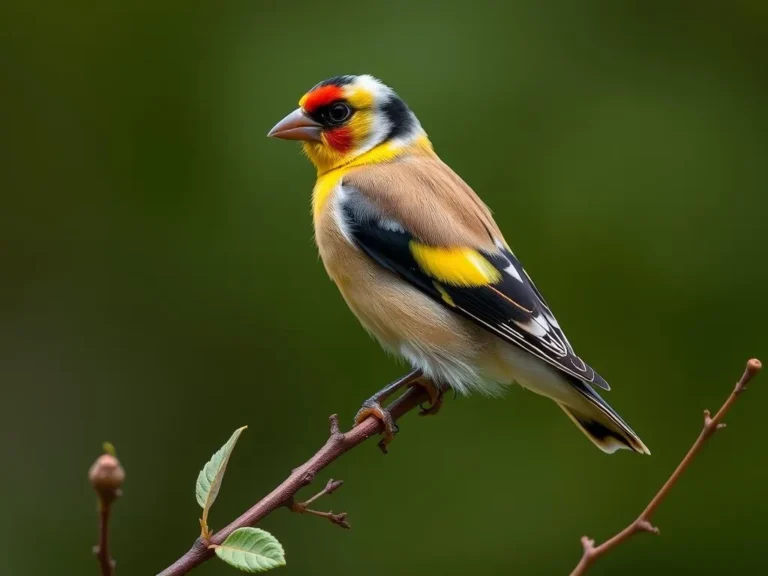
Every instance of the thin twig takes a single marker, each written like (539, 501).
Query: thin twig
(643, 522)
(106, 563)
(106, 476)
(337, 444)
(304, 507)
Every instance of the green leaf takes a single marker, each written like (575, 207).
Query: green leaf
(251, 550)
(210, 477)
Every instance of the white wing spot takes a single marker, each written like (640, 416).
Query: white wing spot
(512, 271)
(390, 225)
(542, 321)
(533, 328)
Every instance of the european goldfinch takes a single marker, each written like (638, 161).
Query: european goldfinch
(421, 262)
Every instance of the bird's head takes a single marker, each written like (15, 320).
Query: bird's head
(345, 117)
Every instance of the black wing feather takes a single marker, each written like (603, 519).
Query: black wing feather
(513, 308)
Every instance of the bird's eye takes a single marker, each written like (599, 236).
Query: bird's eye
(339, 112)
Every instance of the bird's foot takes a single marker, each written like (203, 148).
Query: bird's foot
(436, 394)
(371, 407)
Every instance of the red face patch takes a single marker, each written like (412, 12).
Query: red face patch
(322, 97)
(340, 139)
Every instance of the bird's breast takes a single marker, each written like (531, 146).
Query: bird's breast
(323, 191)
(345, 263)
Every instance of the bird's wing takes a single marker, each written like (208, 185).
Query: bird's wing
(419, 220)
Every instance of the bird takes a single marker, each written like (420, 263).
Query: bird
(421, 262)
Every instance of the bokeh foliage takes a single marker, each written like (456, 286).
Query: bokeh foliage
(160, 286)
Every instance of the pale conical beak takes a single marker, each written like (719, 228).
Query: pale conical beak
(297, 126)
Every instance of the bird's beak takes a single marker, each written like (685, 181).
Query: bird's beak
(297, 126)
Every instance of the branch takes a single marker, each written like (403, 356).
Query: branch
(337, 444)
(106, 476)
(643, 522)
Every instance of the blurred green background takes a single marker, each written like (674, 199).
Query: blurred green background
(160, 286)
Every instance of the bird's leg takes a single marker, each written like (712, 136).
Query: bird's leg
(373, 407)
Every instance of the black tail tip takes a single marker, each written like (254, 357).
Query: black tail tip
(609, 436)
(610, 440)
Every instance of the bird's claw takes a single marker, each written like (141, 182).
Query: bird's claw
(435, 400)
(373, 408)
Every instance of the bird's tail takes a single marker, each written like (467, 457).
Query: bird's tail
(600, 423)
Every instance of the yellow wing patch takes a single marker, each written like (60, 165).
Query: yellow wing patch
(455, 266)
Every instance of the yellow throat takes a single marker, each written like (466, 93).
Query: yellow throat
(328, 178)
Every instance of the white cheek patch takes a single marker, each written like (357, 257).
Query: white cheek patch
(381, 125)
(379, 129)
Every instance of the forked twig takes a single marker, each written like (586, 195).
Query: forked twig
(643, 522)
(303, 507)
(337, 444)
